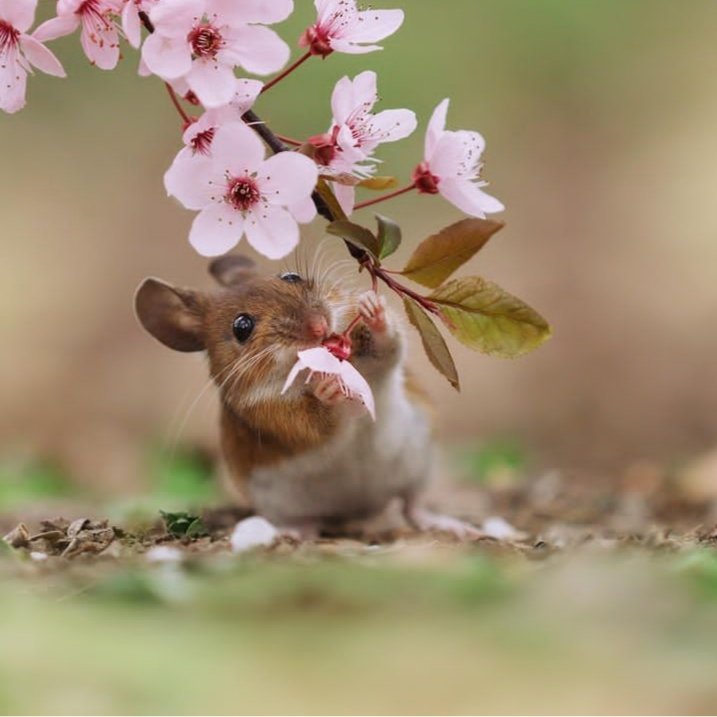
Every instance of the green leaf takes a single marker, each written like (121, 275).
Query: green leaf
(433, 343)
(183, 524)
(378, 183)
(356, 234)
(437, 257)
(327, 194)
(487, 318)
(389, 236)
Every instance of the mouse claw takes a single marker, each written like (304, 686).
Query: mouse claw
(372, 308)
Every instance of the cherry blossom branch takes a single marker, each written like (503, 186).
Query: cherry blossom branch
(173, 96)
(289, 140)
(286, 72)
(385, 197)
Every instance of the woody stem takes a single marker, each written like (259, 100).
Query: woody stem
(173, 96)
(385, 197)
(286, 72)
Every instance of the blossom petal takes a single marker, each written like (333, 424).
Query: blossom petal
(287, 178)
(191, 180)
(170, 58)
(345, 196)
(375, 25)
(41, 57)
(56, 27)
(256, 48)
(212, 82)
(216, 230)
(350, 48)
(303, 211)
(342, 100)
(457, 154)
(18, 13)
(245, 94)
(272, 231)
(100, 43)
(239, 12)
(469, 197)
(392, 125)
(358, 386)
(174, 18)
(436, 128)
(131, 25)
(237, 149)
(13, 82)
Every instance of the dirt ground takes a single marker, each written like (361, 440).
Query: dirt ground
(581, 597)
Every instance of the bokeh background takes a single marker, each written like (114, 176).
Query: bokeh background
(600, 120)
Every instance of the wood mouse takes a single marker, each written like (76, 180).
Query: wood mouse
(308, 460)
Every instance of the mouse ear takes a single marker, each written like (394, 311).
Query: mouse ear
(172, 315)
(232, 269)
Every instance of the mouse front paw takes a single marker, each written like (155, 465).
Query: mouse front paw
(372, 308)
(329, 391)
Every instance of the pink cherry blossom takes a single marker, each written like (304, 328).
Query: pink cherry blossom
(98, 20)
(341, 27)
(321, 361)
(131, 21)
(239, 192)
(19, 52)
(451, 165)
(345, 151)
(203, 40)
(198, 135)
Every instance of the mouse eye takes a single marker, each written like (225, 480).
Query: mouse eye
(291, 277)
(242, 327)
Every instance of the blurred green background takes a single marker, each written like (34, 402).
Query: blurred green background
(599, 117)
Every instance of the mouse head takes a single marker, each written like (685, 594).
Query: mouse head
(251, 328)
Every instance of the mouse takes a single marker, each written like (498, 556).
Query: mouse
(308, 459)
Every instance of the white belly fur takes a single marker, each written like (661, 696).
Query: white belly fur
(358, 471)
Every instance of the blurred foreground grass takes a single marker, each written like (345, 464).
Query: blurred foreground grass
(404, 628)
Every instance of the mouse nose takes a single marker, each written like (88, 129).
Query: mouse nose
(317, 327)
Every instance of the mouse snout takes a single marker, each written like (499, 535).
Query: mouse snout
(317, 327)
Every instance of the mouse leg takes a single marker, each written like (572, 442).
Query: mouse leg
(425, 521)
(376, 341)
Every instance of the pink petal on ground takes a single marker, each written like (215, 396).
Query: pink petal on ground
(303, 211)
(39, 56)
(392, 125)
(272, 231)
(240, 12)
(256, 48)
(56, 27)
(100, 43)
(191, 181)
(13, 82)
(468, 197)
(375, 25)
(237, 149)
(18, 13)
(212, 82)
(170, 58)
(216, 230)
(287, 178)
(436, 128)
(175, 18)
(131, 25)
(346, 197)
